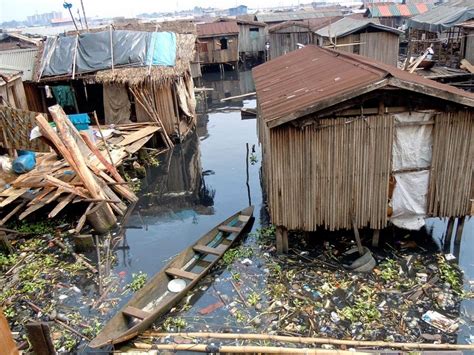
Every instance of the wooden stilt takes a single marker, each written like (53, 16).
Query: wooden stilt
(376, 238)
(5, 244)
(40, 338)
(282, 240)
(83, 243)
(448, 235)
(459, 230)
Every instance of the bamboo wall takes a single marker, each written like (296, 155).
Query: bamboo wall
(317, 177)
(452, 167)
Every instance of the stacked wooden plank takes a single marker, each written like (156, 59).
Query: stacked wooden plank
(86, 172)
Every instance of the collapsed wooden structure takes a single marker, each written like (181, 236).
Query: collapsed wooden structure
(351, 142)
(85, 173)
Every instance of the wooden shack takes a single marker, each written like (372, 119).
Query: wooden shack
(133, 92)
(218, 43)
(290, 35)
(252, 38)
(350, 142)
(362, 37)
(438, 28)
(467, 44)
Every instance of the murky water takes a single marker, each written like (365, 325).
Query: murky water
(203, 181)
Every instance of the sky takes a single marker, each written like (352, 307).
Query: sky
(19, 9)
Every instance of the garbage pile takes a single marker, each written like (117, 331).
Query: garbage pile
(412, 294)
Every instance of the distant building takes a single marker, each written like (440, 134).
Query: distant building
(218, 43)
(43, 19)
(394, 15)
(239, 10)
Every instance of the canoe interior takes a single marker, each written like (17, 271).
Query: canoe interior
(155, 299)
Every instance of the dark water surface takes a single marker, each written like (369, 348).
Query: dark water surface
(203, 181)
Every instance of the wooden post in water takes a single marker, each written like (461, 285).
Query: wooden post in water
(376, 238)
(459, 230)
(7, 343)
(448, 235)
(282, 240)
(40, 338)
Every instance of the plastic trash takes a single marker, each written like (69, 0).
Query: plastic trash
(25, 162)
(6, 163)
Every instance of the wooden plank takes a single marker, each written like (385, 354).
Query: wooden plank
(244, 218)
(65, 186)
(13, 194)
(229, 229)
(207, 250)
(40, 338)
(60, 206)
(135, 147)
(181, 273)
(139, 135)
(12, 213)
(135, 312)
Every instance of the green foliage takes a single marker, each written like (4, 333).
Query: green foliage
(236, 276)
(174, 323)
(389, 270)
(7, 261)
(266, 233)
(253, 298)
(450, 274)
(253, 159)
(9, 312)
(38, 227)
(236, 253)
(138, 281)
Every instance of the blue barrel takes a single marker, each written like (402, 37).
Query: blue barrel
(25, 162)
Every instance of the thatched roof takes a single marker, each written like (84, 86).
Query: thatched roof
(185, 44)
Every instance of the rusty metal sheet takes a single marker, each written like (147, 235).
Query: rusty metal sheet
(217, 28)
(300, 80)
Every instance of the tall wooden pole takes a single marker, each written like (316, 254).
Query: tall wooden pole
(84, 14)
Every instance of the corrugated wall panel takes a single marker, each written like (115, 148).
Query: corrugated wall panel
(19, 59)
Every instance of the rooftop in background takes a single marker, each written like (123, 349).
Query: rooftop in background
(349, 25)
(312, 24)
(217, 28)
(312, 78)
(396, 10)
(297, 15)
(444, 16)
(467, 24)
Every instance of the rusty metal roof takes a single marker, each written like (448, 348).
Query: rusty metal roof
(313, 78)
(348, 25)
(217, 29)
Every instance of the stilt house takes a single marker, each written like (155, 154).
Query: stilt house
(218, 43)
(351, 142)
(395, 15)
(122, 75)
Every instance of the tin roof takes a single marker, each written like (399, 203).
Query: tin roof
(217, 28)
(396, 10)
(442, 17)
(312, 78)
(348, 25)
(22, 60)
(313, 24)
(297, 15)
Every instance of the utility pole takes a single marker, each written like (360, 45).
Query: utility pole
(84, 15)
(68, 6)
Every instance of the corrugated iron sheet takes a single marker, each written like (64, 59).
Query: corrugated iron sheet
(217, 28)
(298, 81)
(396, 10)
(297, 15)
(19, 60)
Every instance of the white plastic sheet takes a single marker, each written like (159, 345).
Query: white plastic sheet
(412, 149)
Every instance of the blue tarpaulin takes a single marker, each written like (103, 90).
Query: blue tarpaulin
(162, 49)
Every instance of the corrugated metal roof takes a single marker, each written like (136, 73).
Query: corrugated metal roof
(396, 10)
(442, 17)
(19, 60)
(313, 24)
(217, 28)
(313, 78)
(349, 25)
(296, 15)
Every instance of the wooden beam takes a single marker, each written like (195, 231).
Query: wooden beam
(135, 312)
(40, 338)
(207, 250)
(229, 229)
(181, 273)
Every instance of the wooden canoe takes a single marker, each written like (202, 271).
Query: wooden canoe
(191, 265)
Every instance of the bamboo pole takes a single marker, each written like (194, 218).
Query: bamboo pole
(103, 138)
(314, 340)
(214, 349)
